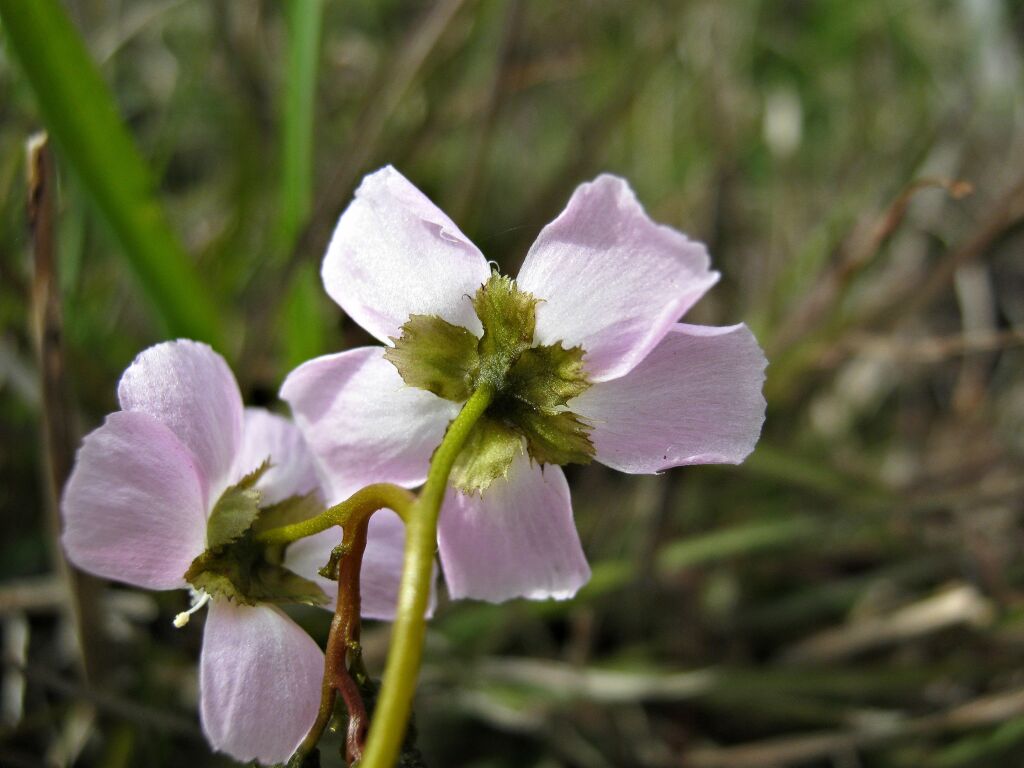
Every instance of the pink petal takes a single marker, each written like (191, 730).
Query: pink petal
(269, 436)
(517, 540)
(190, 388)
(133, 507)
(695, 399)
(362, 423)
(382, 565)
(259, 680)
(394, 253)
(611, 279)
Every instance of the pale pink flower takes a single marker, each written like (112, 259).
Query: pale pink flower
(663, 394)
(135, 510)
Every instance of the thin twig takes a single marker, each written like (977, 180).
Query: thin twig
(860, 251)
(57, 420)
(803, 748)
(132, 711)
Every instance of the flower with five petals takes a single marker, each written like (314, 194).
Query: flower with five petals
(152, 487)
(583, 352)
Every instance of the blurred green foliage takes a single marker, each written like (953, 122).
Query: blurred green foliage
(850, 596)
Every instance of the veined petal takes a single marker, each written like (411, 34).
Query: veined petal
(695, 399)
(518, 539)
(382, 565)
(610, 279)
(133, 508)
(395, 254)
(259, 680)
(362, 423)
(269, 436)
(189, 387)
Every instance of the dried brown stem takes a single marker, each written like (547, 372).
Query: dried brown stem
(57, 420)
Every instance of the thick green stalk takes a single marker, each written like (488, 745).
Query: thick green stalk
(359, 504)
(303, 19)
(389, 719)
(81, 116)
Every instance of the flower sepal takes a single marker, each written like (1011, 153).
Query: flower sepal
(238, 568)
(533, 384)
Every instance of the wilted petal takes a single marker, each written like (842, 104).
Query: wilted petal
(269, 436)
(382, 565)
(695, 399)
(259, 680)
(133, 507)
(394, 253)
(362, 423)
(516, 540)
(189, 387)
(611, 279)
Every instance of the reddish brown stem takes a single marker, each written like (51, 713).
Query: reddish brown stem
(344, 637)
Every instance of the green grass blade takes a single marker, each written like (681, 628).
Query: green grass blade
(82, 117)
(303, 22)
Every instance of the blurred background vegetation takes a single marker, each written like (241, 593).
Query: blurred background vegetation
(852, 596)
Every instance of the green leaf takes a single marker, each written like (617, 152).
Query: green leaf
(486, 456)
(81, 115)
(509, 317)
(556, 437)
(548, 376)
(236, 510)
(434, 355)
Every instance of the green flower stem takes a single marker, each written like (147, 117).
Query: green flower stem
(388, 724)
(359, 504)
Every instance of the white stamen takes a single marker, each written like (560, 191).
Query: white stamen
(199, 599)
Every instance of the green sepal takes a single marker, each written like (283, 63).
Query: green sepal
(237, 567)
(556, 437)
(249, 573)
(509, 318)
(434, 355)
(236, 509)
(293, 509)
(487, 455)
(548, 376)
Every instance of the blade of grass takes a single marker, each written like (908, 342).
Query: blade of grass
(82, 117)
(303, 18)
(305, 318)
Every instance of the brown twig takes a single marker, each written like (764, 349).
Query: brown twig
(799, 749)
(57, 420)
(1005, 214)
(861, 249)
